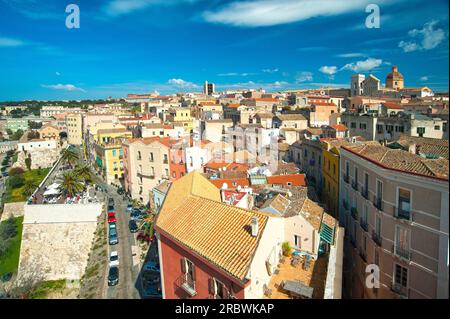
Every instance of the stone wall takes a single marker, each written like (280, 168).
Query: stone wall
(14, 209)
(56, 240)
(39, 158)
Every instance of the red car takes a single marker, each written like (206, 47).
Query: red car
(111, 218)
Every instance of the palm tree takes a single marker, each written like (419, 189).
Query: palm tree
(84, 173)
(29, 187)
(70, 184)
(69, 156)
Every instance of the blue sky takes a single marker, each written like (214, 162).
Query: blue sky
(138, 46)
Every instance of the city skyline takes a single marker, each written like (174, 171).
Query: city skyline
(174, 46)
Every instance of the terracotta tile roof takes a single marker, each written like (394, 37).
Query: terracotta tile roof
(393, 105)
(312, 212)
(294, 179)
(340, 127)
(233, 105)
(400, 160)
(278, 203)
(425, 145)
(217, 232)
(113, 130)
(265, 99)
(231, 182)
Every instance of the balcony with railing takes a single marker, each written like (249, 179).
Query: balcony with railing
(355, 185)
(187, 283)
(345, 204)
(401, 213)
(346, 178)
(377, 238)
(378, 202)
(363, 255)
(365, 192)
(401, 252)
(354, 213)
(363, 224)
(400, 290)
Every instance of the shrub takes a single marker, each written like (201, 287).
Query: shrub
(287, 249)
(16, 171)
(16, 181)
(8, 229)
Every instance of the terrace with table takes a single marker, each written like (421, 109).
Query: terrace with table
(298, 276)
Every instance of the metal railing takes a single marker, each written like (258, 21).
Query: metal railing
(186, 283)
(354, 213)
(377, 238)
(363, 224)
(355, 185)
(346, 178)
(401, 213)
(399, 289)
(365, 192)
(401, 252)
(378, 202)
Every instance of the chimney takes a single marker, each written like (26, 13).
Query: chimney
(412, 149)
(254, 225)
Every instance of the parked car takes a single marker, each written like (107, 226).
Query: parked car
(110, 208)
(120, 191)
(151, 266)
(129, 207)
(113, 259)
(112, 225)
(111, 217)
(152, 291)
(5, 174)
(113, 238)
(133, 226)
(110, 201)
(113, 276)
(135, 215)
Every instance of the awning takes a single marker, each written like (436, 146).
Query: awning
(51, 191)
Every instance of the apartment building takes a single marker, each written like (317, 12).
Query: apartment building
(394, 206)
(49, 132)
(215, 130)
(374, 127)
(295, 121)
(15, 124)
(109, 160)
(52, 110)
(150, 161)
(74, 123)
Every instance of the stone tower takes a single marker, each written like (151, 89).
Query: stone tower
(394, 80)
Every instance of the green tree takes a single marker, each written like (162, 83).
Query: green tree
(16, 135)
(8, 229)
(70, 184)
(15, 171)
(84, 173)
(69, 156)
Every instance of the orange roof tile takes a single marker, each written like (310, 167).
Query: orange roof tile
(231, 182)
(294, 179)
(340, 127)
(216, 232)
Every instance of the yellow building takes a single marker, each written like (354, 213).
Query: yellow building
(49, 132)
(330, 174)
(184, 116)
(109, 161)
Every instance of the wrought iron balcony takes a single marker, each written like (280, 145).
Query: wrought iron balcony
(354, 213)
(378, 202)
(401, 213)
(346, 178)
(377, 238)
(399, 289)
(401, 252)
(363, 255)
(345, 204)
(186, 283)
(365, 192)
(363, 224)
(355, 185)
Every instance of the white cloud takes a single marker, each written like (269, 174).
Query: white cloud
(350, 55)
(303, 77)
(363, 66)
(11, 42)
(258, 13)
(57, 73)
(182, 83)
(63, 87)
(235, 74)
(330, 70)
(424, 78)
(426, 38)
(270, 70)
(121, 7)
